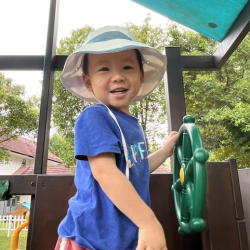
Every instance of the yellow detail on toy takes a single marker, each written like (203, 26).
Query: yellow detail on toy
(182, 175)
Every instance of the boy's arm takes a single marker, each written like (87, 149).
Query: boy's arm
(159, 156)
(122, 193)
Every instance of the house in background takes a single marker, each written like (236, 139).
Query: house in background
(53, 169)
(9, 206)
(23, 153)
(22, 161)
(162, 170)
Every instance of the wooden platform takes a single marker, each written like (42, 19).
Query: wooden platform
(227, 210)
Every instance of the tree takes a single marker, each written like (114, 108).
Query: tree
(17, 116)
(219, 99)
(62, 148)
(153, 107)
(66, 106)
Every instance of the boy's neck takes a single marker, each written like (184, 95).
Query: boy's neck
(123, 109)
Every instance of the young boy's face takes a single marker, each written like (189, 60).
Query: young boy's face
(114, 78)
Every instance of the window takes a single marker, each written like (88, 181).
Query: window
(12, 202)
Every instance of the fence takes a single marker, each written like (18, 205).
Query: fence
(10, 223)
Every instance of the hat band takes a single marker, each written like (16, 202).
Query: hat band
(107, 36)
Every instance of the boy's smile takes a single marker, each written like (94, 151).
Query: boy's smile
(114, 78)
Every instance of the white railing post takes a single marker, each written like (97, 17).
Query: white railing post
(9, 223)
(9, 228)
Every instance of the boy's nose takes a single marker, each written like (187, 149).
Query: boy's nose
(117, 77)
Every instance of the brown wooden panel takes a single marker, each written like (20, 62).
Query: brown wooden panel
(51, 204)
(221, 214)
(30, 228)
(242, 235)
(236, 189)
(162, 203)
(21, 184)
(244, 178)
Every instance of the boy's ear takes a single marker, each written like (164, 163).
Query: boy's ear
(87, 82)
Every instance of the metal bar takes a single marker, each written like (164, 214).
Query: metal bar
(189, 62)
(236, 34)
(60, 61)
(21, 62)
(198, 63)
(47, 91)
(30, 62)
(174, 89)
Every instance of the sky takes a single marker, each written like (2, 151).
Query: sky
(24, 27)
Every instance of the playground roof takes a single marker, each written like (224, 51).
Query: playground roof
(211, 18)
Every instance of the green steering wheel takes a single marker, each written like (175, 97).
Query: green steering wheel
(189, 178)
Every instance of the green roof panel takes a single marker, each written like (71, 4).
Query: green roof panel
(211, 18)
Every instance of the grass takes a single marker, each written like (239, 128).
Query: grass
(5, 241)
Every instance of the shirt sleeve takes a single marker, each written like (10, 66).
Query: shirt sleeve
(94, 134)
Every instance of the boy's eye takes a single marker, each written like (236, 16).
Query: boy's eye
(104, 69)
(127, 67)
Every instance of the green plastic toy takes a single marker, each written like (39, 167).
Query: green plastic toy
(189, 178)
(4, 188)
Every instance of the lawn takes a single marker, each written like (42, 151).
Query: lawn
(5, 241)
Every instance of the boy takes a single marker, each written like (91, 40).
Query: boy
(111, 207)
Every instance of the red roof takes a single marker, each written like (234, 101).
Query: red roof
(26, 147)
(161, 170)
(54, 169)
(61, 169)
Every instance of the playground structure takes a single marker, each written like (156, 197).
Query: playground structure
(227, 210)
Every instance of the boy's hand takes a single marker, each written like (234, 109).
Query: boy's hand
(159, 156)
(151, 237)
(169, 145)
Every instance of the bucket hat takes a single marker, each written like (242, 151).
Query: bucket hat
(111, 39)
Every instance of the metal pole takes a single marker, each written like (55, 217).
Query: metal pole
(46, 105)
(47, 91)
(174, 90)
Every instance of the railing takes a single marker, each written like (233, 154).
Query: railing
(10, 223)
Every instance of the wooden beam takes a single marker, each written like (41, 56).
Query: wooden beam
(236, 34)
(21, 184)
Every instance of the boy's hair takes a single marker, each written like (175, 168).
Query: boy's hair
(85, 67)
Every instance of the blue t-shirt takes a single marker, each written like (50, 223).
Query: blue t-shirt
(92, 219)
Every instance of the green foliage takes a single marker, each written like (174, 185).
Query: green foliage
(154, 36)
(62, 148)
(17, 116)
(66, 106)
(153, 107)
(220, 100)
